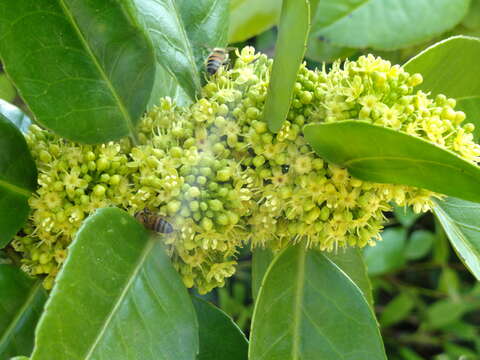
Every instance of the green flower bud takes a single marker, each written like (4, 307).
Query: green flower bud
(206, 224)
(215, 205)
(224, 174)
(173, 206)
(193, 192)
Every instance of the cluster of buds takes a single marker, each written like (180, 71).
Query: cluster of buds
(223, 180)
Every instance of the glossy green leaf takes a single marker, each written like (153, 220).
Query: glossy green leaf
(261, 259)
(220, 337)
(461, 221)
(15, 115)
(385, 24)
(350, 261)
(206, 22)
(181, 34)
(18, 178)
(383, 155)
(21, 303)
(388, 254)
(289, 51)
(308, 309)
(87, 71)
(117, 287)
(7, 90)
(449, 67)
(249, 18)
(166, 85)
(419, 244)
(471, 107)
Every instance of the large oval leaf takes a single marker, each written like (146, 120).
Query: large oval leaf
(206, 23)
(450, 67)
(378, 154)
(385, 24)
(461, 221)
(85, 68)
(261, 259)
(21, 303)
(15, 115)
(289, 51)
(220, 337)
(18, 178)
(350, 261)
(118, 290)
(308, 309)
(181, 34)
(252, 17)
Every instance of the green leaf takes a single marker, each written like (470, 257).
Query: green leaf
(206, 22)
(181, 33)
(15, 115)
(7, 91)
(261, 259)
(308, 309)
(472, 20)
(117, 287)
(461, 221)
(249, 18)
(387, 255)
(166, 85)
(350, 260)
(385, 24)
(289, 52)
(446, 312)
(419, 244)
(87, 71)
(397, 310)
(18, 178)
(449, 67)
(321, 51)
(220, 337)
(471, 107)
(21, 303)
(383, 155)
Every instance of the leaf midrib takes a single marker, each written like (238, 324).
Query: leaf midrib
(297, 303)
(349, 163)
(136, 269)
(20, 312)
(101, 71)
(14, 188)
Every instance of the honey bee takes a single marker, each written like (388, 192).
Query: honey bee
(218, 57)
(153, 222)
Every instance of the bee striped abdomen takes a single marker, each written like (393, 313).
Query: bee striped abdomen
(216, 59)
(161, 225)
(154, 222)
(213, 65)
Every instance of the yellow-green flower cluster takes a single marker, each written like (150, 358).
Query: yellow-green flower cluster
(222, 179)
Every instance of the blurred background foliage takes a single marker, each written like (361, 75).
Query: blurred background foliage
(427, 303)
